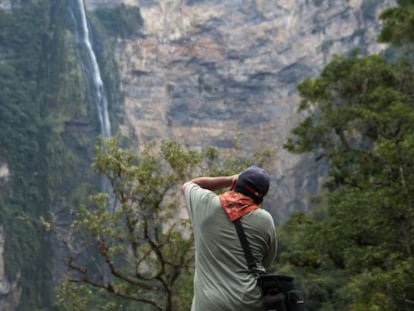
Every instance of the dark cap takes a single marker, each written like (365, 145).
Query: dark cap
(253, 182)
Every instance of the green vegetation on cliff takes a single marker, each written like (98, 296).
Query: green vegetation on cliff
(41, 93)
(48, 131)
(355, 251)
(27, 250)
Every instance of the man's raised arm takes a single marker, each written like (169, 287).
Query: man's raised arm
(212, 183)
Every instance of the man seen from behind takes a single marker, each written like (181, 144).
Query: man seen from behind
(223, 281)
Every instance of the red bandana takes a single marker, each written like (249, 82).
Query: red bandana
(236, 205)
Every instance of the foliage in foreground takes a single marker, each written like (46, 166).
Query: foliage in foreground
(133, 249)
(356, 251)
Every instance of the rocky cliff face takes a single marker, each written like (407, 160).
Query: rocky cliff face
(225, 72)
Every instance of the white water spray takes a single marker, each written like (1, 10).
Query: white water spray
(92, 70)
(96, 90)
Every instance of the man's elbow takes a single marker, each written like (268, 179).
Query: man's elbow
(184, 186)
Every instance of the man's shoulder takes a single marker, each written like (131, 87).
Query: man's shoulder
(260, 212)
(261, 217)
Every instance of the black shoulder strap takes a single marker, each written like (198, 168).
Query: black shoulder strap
(251, 262)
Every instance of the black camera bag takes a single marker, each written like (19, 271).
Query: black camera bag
(278, 291)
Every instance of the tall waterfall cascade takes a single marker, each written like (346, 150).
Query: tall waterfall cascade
(95, 86)
(90, 67)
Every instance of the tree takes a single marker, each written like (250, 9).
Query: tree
(360, 116)
(138, 251)
(398, 24)
(361, 232)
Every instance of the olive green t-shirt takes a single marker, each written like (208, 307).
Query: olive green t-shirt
(222, 280)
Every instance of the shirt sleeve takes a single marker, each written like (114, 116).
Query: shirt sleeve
(196, 197)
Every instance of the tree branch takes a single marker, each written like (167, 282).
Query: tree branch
(109, 286)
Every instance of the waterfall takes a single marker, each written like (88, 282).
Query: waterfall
(90, 66)
(95, 86)
(96, 90)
